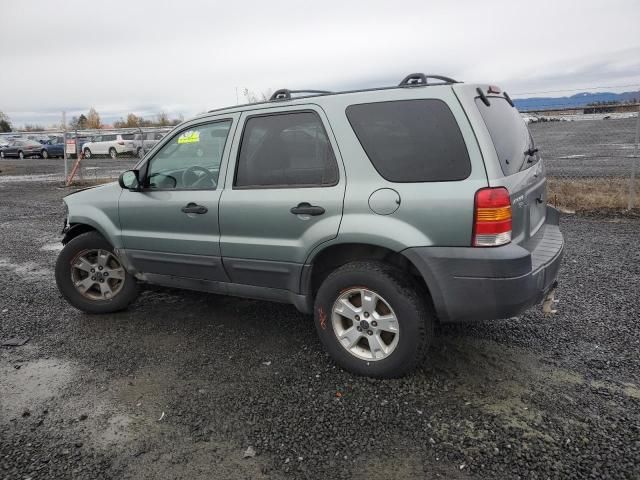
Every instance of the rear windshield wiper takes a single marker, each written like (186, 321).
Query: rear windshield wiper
(531, 152)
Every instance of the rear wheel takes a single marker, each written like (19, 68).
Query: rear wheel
(44, 154)
(91, 277)
(112, 153)
(373, 320)
(21, 155)
(87, 153)
(140, 153)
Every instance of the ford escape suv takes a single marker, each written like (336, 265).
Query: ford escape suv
(380, 211)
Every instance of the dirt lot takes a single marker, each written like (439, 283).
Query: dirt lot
(182, 383)
(586, 148)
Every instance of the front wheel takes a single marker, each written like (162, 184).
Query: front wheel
(44, 154)
(87, 153)
(90, 276)
(373, 320)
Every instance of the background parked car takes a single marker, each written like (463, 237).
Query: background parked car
(112, 144)
(53, 147)
(22, 148)
(148, 140)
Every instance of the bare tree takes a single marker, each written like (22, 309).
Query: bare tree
(252, 97)
(93, 119)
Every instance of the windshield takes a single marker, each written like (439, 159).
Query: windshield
(509, 133)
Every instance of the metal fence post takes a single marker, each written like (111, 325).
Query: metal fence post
(632, 182)
(64, 145)
(141, 140)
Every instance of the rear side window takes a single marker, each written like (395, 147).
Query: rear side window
(127, 136)
(509, 133)
(411, 140)
(285, 150)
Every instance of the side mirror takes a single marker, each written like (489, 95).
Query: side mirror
(129, 180)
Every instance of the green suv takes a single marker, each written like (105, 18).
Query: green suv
(380, 211)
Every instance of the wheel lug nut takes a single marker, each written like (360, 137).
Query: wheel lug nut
(357, 318)
(93, 278)
(374, 324)
(101, 280)
(359, 329)
(99, 268)
(106, 274)
(369, 332)
(366, 314)
(93, 270)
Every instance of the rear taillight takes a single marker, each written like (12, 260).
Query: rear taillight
(120, 142)
(491, 217)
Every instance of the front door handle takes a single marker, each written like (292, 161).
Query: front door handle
(195, 208)
(305, 208)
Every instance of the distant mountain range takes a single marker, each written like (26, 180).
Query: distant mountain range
(577, 100)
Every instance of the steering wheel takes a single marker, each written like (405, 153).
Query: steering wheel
(200, 179)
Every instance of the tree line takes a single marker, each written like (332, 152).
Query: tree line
(92, 121)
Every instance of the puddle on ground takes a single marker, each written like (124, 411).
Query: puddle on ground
(52, 247)
(116, 431)
(31, 385)
(44, 177)
(26, 270)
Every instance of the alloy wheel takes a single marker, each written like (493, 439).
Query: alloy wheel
(97, 274)
(365, 324)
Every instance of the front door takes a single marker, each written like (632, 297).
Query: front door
(282, 198)
(171, 226)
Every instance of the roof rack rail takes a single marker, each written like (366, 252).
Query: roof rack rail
(420, 79)
(285, 94)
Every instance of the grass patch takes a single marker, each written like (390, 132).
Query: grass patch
(591, 193)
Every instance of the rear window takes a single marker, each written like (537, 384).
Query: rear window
(127, 136)
(411, 140)
(509, 133)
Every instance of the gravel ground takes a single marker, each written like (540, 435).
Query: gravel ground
(182, 383)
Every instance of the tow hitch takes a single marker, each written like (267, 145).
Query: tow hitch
(550, 301)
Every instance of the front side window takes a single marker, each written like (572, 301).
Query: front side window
(191, 159)
(285, 150)
(411, 140)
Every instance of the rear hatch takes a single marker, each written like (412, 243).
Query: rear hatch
(521, 169)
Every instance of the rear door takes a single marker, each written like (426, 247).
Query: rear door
(283, 195)
(519, 167)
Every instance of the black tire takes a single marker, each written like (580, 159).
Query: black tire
(87, 153)
(90, 241)
(21, 155)
(113, 153)
(414, 315)
(139, 153)
(44, 154)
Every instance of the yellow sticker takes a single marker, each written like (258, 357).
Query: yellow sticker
(192, 136)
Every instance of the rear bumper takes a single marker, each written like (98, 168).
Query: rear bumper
(469, 284)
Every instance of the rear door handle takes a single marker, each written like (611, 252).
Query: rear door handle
(195, 208)
(305, 208)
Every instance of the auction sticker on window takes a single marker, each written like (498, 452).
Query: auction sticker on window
(192, 136)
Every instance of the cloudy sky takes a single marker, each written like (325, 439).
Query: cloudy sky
(188, 56)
